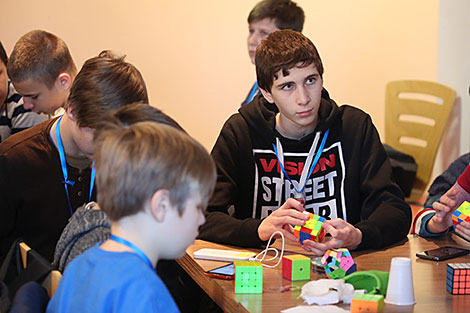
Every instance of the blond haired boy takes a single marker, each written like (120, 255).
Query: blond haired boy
(154, 183)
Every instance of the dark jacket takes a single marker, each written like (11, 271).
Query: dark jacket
(352, 179)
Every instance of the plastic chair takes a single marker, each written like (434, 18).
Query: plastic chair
(416, 113)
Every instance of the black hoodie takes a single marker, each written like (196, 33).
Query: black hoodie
(352, 179)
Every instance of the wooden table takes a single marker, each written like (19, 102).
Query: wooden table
(429, 278)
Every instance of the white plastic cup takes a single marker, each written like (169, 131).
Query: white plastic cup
(400, 289)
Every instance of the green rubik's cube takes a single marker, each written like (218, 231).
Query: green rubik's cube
(296, 267)
(248, 277)
(461, 214)
(367, 303)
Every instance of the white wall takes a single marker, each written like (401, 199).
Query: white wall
(193, 55)
(453, 70)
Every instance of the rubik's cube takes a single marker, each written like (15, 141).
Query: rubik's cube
(311, 230)
(248, 277)
(296, 267)
(461, 214)
(367, 303)
(338, 263)
(458, 278)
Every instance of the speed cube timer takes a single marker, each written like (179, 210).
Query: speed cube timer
(461, 214)
(296, 267)
(338, 263)
(248, 277)
(311, 230)
(367, 303)
(458, 278)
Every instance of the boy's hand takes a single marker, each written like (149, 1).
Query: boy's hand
(449, 202)
(343, 235)
(290, 213)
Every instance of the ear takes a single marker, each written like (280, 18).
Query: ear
(63, 81)
(267, 95)
(70, 114)
(160, 204)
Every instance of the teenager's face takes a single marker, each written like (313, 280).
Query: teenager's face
(297, 96)
(185, 227)
(258, 31)
(38, 98)
(3, 83)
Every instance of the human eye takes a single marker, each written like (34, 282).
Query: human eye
(264, 33)
(287, 86)
(251, 30)
(34, 97)
(311, 80)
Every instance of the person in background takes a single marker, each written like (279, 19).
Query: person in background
(433, 222)
(46, 171)
(266, 17)
(42, 70)
(13, 116)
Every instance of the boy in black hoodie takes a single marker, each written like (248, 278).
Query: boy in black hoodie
(293, 140)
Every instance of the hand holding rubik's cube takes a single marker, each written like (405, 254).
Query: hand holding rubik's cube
(312, 229)
(461, 214)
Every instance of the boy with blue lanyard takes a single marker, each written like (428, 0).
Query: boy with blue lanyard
(46, 171)
(154, 183)
(294, 141)
(268, 16)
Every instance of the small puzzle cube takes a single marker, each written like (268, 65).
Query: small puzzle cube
(367, 303)
(296, 267)
(461, 214)
(248, 277)
(458, 278)
(338, 263)
(312, 229)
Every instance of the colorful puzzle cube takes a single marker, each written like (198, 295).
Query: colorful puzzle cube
(338, 263)
(458, 278)
(312, 229)
(248, 277)
(296, 267)
(461, 214)
(367, 303)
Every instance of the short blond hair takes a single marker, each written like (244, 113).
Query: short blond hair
(133, 163)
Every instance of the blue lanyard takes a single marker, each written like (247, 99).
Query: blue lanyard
(253, 92)
(314, 163)
(63, 163)
(134, 248)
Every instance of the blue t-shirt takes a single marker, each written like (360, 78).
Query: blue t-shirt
(104, 281)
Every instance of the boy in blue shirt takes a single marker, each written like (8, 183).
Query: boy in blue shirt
(154, 196)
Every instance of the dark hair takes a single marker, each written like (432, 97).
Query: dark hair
(3, 54)
(104, 83)
(283, 50)
(42, 56)
(133, 113)
(286, 14)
